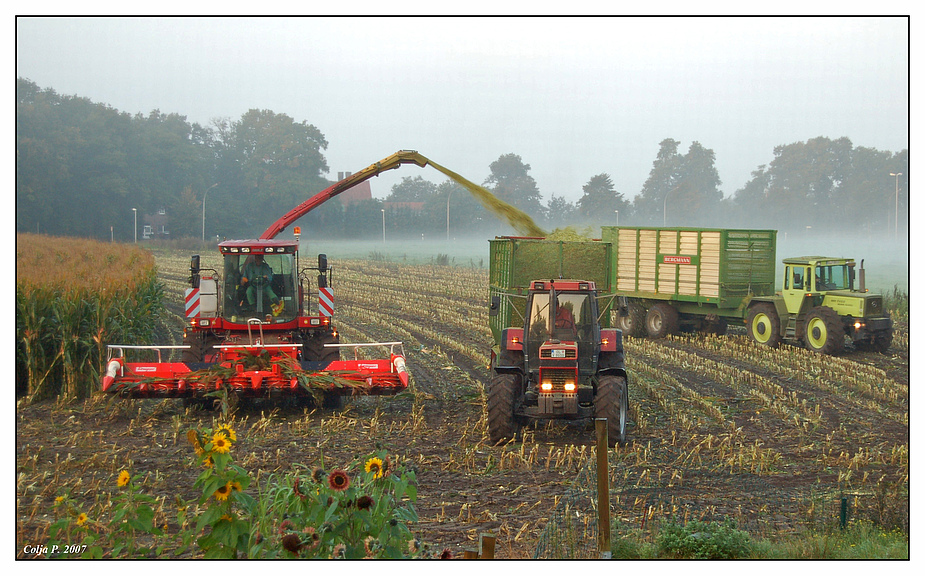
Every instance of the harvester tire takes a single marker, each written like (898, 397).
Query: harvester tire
(502, 395)
(661, 320)
(634, 323)
(824, 332)
(763, 324)
(612, 402)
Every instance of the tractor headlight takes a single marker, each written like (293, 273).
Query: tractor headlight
(569, 386)
(546, 386)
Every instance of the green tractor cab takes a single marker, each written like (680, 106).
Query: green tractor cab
(820, 306)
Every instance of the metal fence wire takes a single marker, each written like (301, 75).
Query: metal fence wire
(763, 506)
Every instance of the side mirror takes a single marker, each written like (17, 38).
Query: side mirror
(194, 271)
(494, 307)
(322, 262)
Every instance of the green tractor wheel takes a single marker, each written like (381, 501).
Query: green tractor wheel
(824, 332)
(763, 324)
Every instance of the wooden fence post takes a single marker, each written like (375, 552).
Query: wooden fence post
(603, 489)
(486, 546)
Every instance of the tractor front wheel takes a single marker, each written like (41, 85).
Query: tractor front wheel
(824, 332)
(763, 324)
(502, 395)
(612, 402)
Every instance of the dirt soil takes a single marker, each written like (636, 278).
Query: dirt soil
(467, 487)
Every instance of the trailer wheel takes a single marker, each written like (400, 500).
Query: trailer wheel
(502, 395)
(634, 323)
(662, 320)
(824, 332)
(612, 402)
(763, 324)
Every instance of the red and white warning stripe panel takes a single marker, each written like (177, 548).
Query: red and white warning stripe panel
(326, 301)
(192, 303)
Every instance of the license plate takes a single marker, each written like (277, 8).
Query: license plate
(557, 353)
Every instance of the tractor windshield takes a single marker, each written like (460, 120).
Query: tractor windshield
(260, 286)
(832, 277)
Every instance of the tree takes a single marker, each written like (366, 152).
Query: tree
(412, 190)
(681, 189)
(600, 200)
(560, 212)
(509, 181)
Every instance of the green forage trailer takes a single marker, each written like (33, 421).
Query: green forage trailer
(693, 278)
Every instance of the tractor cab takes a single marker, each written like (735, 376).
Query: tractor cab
(562, 324)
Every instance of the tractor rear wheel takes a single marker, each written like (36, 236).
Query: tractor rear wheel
(824, 332)
(503, 392)
(662, 320)
(612, 402)
(634, 323)
(763, 324)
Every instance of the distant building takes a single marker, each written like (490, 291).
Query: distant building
(361, 191)
(155, 225)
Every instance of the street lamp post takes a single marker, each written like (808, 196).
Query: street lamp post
(135, 213)
(383, 225)
(617, 212)
(665, 207)
(204, 210)
(448, 215)
(896, 220)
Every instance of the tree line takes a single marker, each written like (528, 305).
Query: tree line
(82, 167)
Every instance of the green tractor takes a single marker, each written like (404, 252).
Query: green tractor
(820, 306)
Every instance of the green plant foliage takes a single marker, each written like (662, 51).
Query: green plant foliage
(705, 540)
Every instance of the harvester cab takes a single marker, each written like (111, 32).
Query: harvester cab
(560, 365)
(820, 305)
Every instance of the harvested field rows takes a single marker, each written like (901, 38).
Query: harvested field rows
(719, 426)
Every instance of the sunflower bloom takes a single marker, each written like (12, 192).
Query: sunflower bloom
(81, 519)
(59, 500)
(374, 467)
(339, 481)
(236, 486)
(228, 431)
(123, 479)
(223, 492)
(220, 443)
(365, 502)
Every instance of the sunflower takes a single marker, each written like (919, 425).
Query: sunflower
(220, 443)
(374, 467)
(222, 493)
(81, 519)
(235, 485)
(123, 479)
(228, 431)
(365, 502)
(59, 500)
(339, 481)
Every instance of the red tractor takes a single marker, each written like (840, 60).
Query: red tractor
(559, 365)
(251, 329)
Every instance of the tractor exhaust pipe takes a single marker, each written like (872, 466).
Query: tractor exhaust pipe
(861, 283)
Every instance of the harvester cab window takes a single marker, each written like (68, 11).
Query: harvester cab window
(259, 285)
(797, 278)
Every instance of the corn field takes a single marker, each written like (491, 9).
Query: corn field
(73, 297)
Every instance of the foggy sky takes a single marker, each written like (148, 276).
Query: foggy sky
(573, 97)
